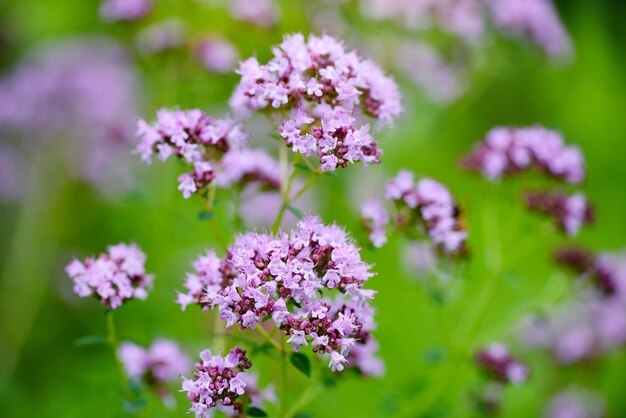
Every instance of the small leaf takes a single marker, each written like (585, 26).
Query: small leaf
(303, 415)
(256, 412)
(265, 348)
(303, 166)
(296, 212)
(434, 355)
(134, 407)
(90, 340)
(205, 215)
(301, 362)
(329, 382)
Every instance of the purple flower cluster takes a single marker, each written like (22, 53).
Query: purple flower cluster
(511, 150)
(162, 362)
(498, 363)
(83, 92)
(289, 278)
(375, 219)
(320, 89)
(535, 19)
(217, 55)
(576, 403)
(593, 321)
(218, 383)
(213, 148)
(468, 20)
(258, 12)
(425, 204)
(114, 277)
(570, 213)
(112, 10)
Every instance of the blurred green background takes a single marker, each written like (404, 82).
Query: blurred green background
(45, 375)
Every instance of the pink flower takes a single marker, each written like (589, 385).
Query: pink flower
(114, 277)
(162, 362)
(112, 10)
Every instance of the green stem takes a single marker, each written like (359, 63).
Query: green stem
(285, 186)
(282, 402)
(210, 200)
(309, 394)
(114, 344)
(304, 188)
(269, 339)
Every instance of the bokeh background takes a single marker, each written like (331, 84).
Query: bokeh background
(53, 214)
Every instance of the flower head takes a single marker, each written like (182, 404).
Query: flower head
(112, 10)
(324, 89)
(506, 151)
(114, 277)
(570, 213)
(219, 382)
(423, 205)
(162, 362)
(497, 362)
(290, 279)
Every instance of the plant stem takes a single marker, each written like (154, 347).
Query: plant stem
(210, 200)
(282, 401)
(305, 187)
(269, 339)
(114, 344)
(309, 393)
(285, 186)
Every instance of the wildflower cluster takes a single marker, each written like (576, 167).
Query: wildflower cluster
(468, 20)
(570, 213)
(288, 278)
(423, 205)
(576, 402)
(593, 321)
(164, 361)
(498, 363)
(114, 277)
(218, 383)
(113, 10)
(213, 148)
(506, 151)
(320, 89)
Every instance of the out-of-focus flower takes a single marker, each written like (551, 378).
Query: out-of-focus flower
(290, 279)
(217, 54)
(570, 213)
(422, 205)
(163, 362)
(218, 383)
(84, 92)
(507, 151)
(249, 166)
(590, 324)
(576, 403)
(420, 258)
(161, 36)
(258, 12)
(114, 277)
(320, 89)
(498, 363)
(375, 218)
(112, 10)
(535, 19)
(425, 66)
(199, 141)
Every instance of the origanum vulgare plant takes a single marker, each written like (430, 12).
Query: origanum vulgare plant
(302, 294)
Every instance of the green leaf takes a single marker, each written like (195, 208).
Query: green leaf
(297, 212)
(90, 340)
(303, 415)
(301, 362)
(256, 412)
(434, 355)
(265, 348)
(329, 382)
(303, 166)
(205, 215)
(133, 407)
